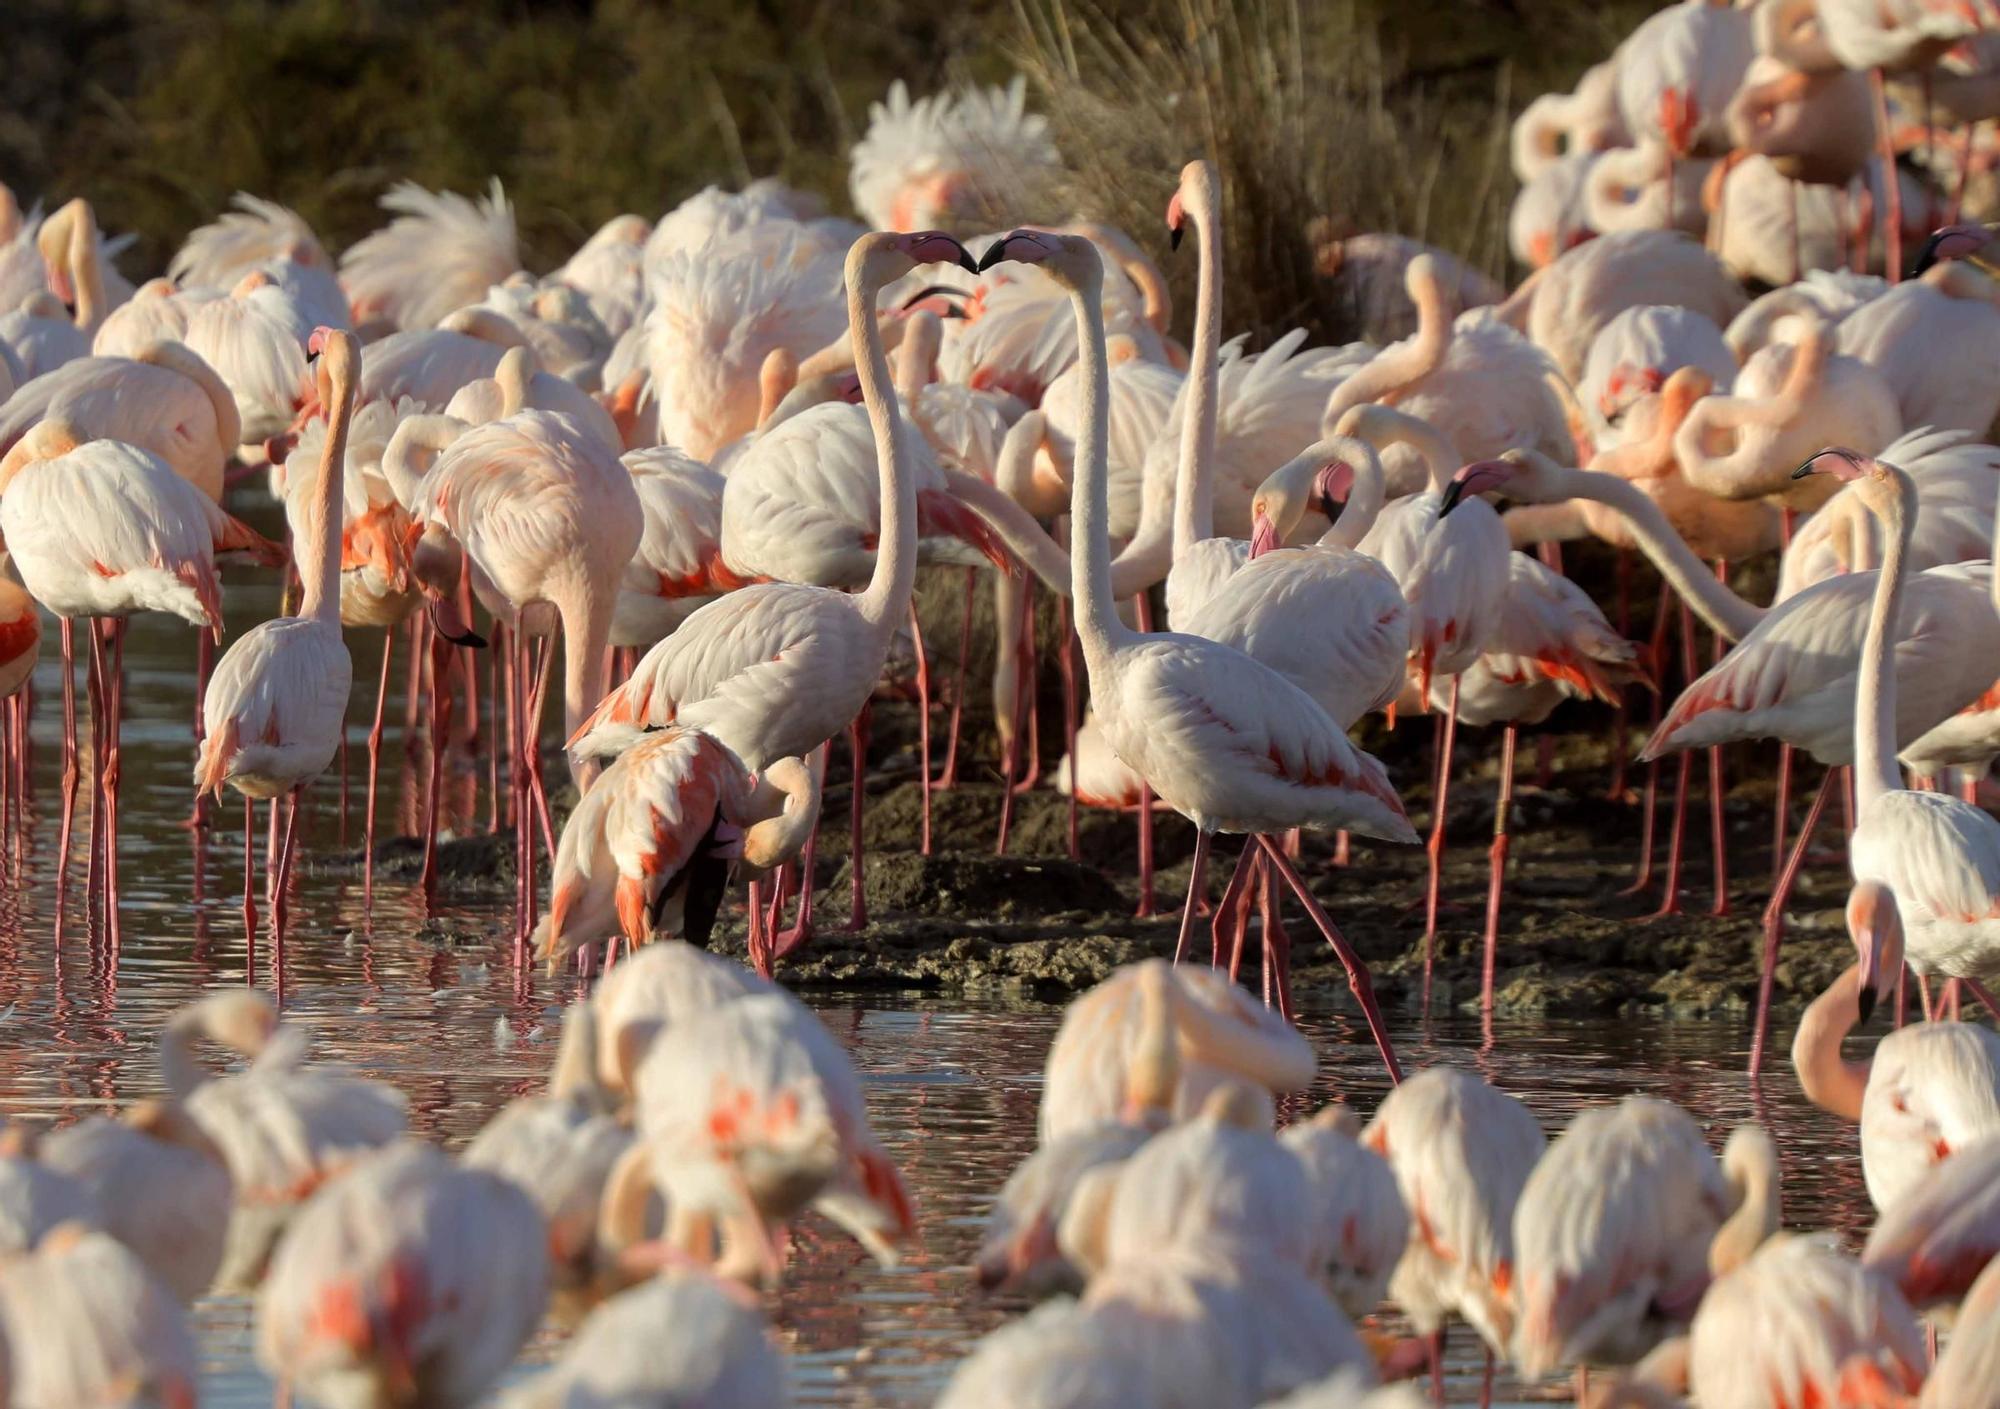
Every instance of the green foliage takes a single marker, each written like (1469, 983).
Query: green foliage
(1388, 112)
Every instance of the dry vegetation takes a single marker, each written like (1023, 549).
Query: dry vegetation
(1387, 112)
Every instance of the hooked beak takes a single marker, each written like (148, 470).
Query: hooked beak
(446, 621)
(1453, 494)
(1263, 535)
(1174, 233)
(996, 253)
(1928, 255)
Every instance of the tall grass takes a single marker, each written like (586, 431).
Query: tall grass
(1387, 113)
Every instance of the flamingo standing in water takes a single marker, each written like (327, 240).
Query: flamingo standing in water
(776, 669)
(104, 530)
(1226, 742)
(276, 707)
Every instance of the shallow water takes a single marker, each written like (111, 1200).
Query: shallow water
(952, 1085)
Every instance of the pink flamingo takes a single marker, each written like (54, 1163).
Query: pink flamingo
(411, 1280)
(276, 707)
(1930, 1089)
(440, 253)
(1940, 856)
(1938, 1235)
(1358, 1212)
(1226, 742)
(1462, 1152)
(776, 669)
(104, 530)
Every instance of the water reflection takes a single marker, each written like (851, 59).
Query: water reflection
(952, 1085)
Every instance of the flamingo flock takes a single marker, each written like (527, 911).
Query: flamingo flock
(719, 460)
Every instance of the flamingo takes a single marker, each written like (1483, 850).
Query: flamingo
(84, 1326)
(35, 1198)
(146, 541)
(748, 1113)
(608, 269)
(440, 253)
(20, 650)
(560, 1148)
(1914, 334)
(951, 159)
(1646, 187)
(1938, 855)
(256, 339)
(252, 233)
(165, 400)
(1462, 1152)
(156, 312)
(1631, 359)
(1794, 669)
(1021, 1251)
(1603, 1279)
(1828, 295)
(160, 1182)
(276, 706)
(1677, 72)
(1110, 1056)
(647, 993)
(41, 331)
(1549, 215)
(1347, 1390)
(1816, 127)
(1585, 119)
(1372, 271)
(429, 365)
(678, 568)
(1055, 1357)
(1967, 1375)
(409, 1281)
(1930, 1089)
(1934, 1240)
(1357, 1208)
(685, 1337)
(649, 847)
(1223, 740)
(776, 669)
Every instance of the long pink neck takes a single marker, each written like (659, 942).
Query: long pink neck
(1097, 623)
(1712, 600)
(1830, 1081)
(319, 564)
(1394, 368)
(887, 597)
(1875, 771)
(1194, 499)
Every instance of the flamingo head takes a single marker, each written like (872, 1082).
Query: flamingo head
(1875, 925)
(1844, 465)
(1475, 479)
(1071, 260)
(1951, 242)
(1176, 221)
(932, 247)
(1316, 478)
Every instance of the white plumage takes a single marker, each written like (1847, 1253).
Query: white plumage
(440, 253)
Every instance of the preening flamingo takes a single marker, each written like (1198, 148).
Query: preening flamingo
(1226, 742)
(1358, 1215)
(1462, 1151)
(276, 706)
(685, 1337)
(160, 1183)
(1930, 1089)
(411, 1280)
(1152, 1024)
(1677, 72)
(83, 1324)
(440, 253)
(1020, 1251)
(560, 1148)
(1916, 336)
(1601, 1279)
(776, 669)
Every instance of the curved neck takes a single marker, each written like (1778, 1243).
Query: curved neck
(1394, 368)
(1829, 1081)
(1712, 600)
(178, 1067)
(86, 275)
(887, 595)
(319, 568)
(1875, 771)
(1751, 1163)
(1382, 427)
(1097, 623)
(1194, 491)
(1364, 499)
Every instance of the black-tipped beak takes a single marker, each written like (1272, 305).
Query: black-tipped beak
(1174, 236)
(1453, 493)
(935, 291)
(1807, 468)
(447, 623)
(965, 260)
(1928, 255)
(996, 253)
(1864, 1000)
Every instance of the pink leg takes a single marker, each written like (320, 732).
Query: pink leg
(1980, 991)
(1497, 869)
(413, 684)
(280, 904)
(1892, 186)
(374, 764)
(923, 726)
(1030, 684)
(1024, 689)
(532, 740)
(1650, 802)
(1277, 946)
(1436, 1339)
(1924, 996)
(93, 874)
(204, 664)
(1716, 787)
(1774, 919)
(1486, 1382)
(495, 668)
(1066, 666)
(1780, 816)
(1226, 913)
(1670, 903)
(440, 651)
(249, 894)
(857, 737)
(1357, 972)
(1195, 870)
(795, 938)
(1440, 801)
(1143, 610)
(759, 947)
(1619, 725)
(948, 776)
(115, 692)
